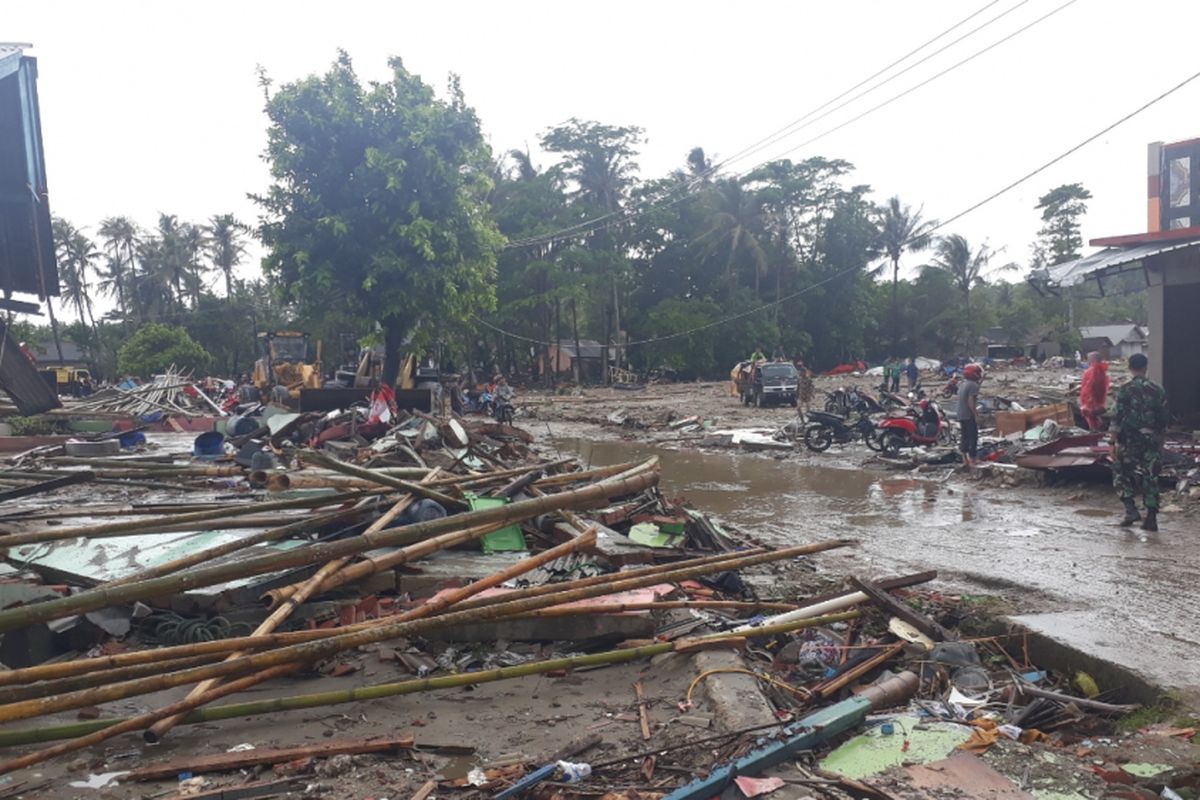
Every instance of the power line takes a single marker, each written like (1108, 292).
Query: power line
(1070, 151)
(930, 79)
(634, 213)
(782, 132)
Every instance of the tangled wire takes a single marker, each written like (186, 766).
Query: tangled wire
(170, 628)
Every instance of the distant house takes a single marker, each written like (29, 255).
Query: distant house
(590, 357)
(1115, 342)
(47, 354)
(1036, 345)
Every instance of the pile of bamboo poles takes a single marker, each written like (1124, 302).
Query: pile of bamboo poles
(164, 393)
(366, 503)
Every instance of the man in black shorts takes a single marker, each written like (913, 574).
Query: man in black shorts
(968, 399)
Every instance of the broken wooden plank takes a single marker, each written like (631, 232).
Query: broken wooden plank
(643, 716)
(227, 762)
(426, 789)
(900, 609)
(246, 791)
(72, 479)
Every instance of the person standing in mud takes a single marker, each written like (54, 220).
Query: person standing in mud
(968, 400)
(913, 374)
(1093, 391)
(1140, 423)
(804, 387)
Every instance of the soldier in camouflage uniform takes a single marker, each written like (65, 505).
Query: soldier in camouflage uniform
(1140, 424)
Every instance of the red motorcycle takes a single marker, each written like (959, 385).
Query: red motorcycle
(927, 426)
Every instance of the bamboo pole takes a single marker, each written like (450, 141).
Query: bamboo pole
(110, 529)
(276, 618)
(59, 670)
(658, 605)
(446, 500)
(42, 734)
(14, 694)
(638, 480)
(156, 731)
(323, 648)
(135, 723)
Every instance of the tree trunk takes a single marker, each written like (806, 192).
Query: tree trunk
(553, 368)
(228, 281)
(576, 362)
(895, 304)
(394, 329)
(617, 319)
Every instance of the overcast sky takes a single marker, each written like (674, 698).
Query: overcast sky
(150, 107)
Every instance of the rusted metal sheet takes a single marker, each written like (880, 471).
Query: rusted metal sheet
(20, 379)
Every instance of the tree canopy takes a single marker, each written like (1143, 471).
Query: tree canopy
(156, 347)
(378, 202)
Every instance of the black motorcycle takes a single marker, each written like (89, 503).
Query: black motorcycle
(851, 401)
(824, 430)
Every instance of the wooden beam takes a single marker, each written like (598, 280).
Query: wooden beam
(904, 611)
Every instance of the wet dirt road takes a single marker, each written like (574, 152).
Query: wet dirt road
(1057, 554)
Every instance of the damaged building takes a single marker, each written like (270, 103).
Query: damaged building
(1167, 256)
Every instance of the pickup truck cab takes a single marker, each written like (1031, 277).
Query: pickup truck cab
(771, 383)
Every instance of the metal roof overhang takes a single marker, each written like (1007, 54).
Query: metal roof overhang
(1109, 261)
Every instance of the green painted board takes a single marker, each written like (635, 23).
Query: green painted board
(871, 753)
(508, 539)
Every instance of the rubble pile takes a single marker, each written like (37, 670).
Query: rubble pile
(165, 582)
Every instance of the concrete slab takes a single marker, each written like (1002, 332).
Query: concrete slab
(734, 699)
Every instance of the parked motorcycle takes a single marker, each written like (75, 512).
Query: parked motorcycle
(926, 427)
(845, 402)
(825, 429)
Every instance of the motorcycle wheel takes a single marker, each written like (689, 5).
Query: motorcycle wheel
(818, 438)
(831, 406)
(504, 415)
(873, 441)
(892, 443)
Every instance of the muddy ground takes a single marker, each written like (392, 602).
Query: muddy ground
(1048, 545)
(1049, 555)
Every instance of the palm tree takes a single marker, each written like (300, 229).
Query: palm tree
(193, 241)
(967, 267)
(226, 246)
(121, 237)
(75, 253)
(735, 228)
(902, 231)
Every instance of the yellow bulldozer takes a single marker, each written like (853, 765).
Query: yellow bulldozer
(284, 362)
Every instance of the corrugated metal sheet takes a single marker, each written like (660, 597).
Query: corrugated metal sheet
(1111, 259)
(26, 244)
(19, 378)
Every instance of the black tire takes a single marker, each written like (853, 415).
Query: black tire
(831, 406)
(892, 443)
(873, 441)
(818, 438)
(795, 402)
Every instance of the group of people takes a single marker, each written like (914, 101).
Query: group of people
(893, 370)
(1136, 430)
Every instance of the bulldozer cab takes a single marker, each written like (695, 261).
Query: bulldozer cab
(286, 346)
(285, 362)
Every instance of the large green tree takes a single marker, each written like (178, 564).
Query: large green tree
(378, 202)
(1059, 239)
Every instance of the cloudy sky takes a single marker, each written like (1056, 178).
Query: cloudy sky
(150, 107)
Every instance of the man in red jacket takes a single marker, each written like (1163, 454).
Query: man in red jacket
(1093, 392)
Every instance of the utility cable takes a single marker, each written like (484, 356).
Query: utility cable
(849, 270)
(784, 131)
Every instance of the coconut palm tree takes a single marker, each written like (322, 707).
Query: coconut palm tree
(953, 254)
(736, 231)
(76, 255)
(903, 230)
(193, 241)
(226, 246)
(121, 236)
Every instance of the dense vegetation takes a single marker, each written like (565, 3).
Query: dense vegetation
(390, 221)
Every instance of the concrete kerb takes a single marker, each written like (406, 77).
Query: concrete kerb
(735, 699)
